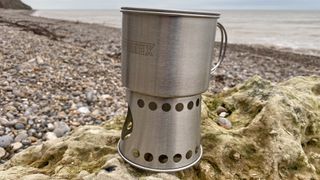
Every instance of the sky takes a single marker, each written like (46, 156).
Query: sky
(178, 4)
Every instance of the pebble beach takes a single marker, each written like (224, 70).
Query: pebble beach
(57, 75)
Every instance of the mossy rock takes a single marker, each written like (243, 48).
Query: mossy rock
(275, 135)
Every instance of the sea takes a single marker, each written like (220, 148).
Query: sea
(297, 31)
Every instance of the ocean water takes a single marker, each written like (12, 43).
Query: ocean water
(294, 30)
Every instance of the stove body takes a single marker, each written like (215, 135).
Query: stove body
(166, 64)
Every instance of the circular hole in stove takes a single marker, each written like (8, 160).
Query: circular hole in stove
(190, 105)
(179, 107)
(166, 107)
(177, 158)
(140, 103)
(148, 157)
(163, 158)
(152, 106)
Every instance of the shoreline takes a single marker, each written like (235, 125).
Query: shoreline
(56, 75)
(112, 18)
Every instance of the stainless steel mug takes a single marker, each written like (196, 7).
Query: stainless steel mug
(166, 65)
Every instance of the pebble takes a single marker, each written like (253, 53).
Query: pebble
(75, 123)
(2, 152)
(236, 156)
(90, 97)
(96, 112)
(32, 132)
(4, 122)
(5, 141)
(50, 127)
(220, 110)
(30, 122)
(33, 139)
(83, 110)
(21, 136)
(223, 114)
(26, 142)
(40, 61)
(224, 122)
(19, 126)
(16, 146)
(7, 123)
(61, 128)
(50, 136)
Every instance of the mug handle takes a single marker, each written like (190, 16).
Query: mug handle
(223, 47)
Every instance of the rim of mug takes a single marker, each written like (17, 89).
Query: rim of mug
(170, 12)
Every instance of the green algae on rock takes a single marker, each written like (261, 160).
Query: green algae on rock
(275, 135)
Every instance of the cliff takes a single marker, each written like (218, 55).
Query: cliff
(13, 4)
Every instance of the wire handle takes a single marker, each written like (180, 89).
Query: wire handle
(223, 47)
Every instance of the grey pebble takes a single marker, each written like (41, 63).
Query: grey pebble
(21, 136)
(32, 132)
(61, 128)
(4, 122)
(19, 126)
(5, 141)
(90, 96)
(26, 142)
(7, 123)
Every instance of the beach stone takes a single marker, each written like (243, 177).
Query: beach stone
(21, 136)
(224, 122)
(5, 141)
(90, 96)
(30, 122)
(32, 132)
(223, 114)
(4, 122)
(220, 110)
(50, 136)
(40, 60)
(50, 127)
(61, 128)
(7, 123)
(247, 151)
(26, 142)
(16, 146)
(83, 110)
(19, 126)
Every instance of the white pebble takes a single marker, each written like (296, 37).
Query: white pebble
(50, 136)
(223, 114)
(84, 110)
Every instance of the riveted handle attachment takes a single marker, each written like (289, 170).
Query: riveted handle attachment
(223, 47)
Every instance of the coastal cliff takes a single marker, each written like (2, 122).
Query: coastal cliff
(13, 4)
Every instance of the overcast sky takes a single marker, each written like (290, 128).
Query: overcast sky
(185, 4)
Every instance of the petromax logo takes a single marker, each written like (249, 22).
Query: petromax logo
(138, 47)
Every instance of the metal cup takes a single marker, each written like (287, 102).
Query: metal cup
(166, 65)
